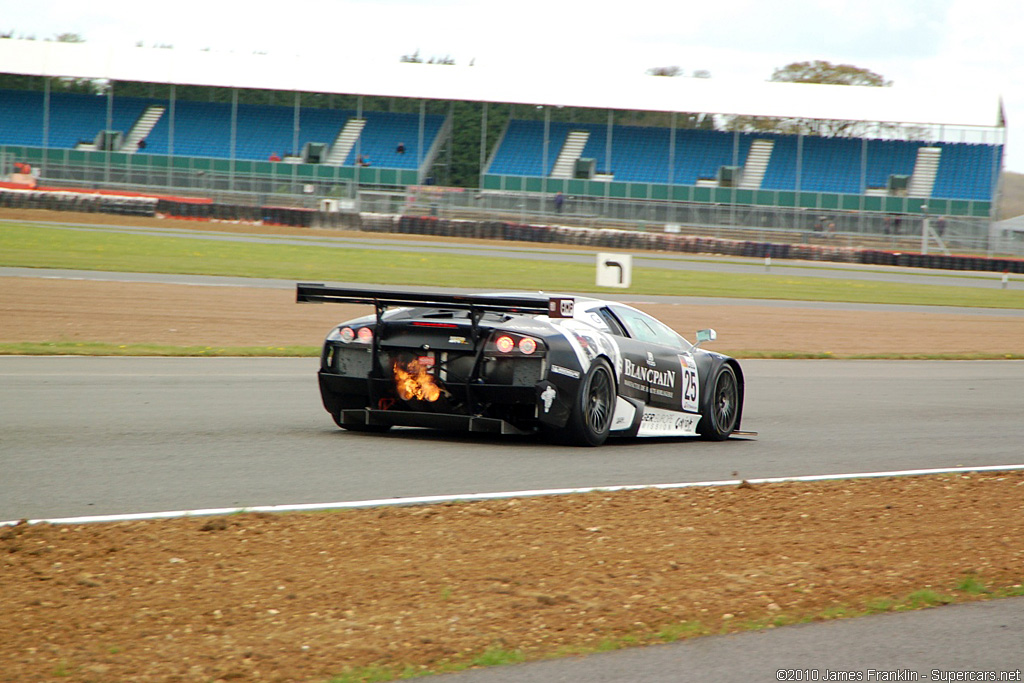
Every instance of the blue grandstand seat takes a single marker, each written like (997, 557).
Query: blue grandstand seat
(203, 129)
(384, 130)
(967, 171)
(73, 118)
(522, 149)
(639, 154)
(827, 164)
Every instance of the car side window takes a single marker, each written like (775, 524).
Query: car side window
(644, 328)
(612, 322)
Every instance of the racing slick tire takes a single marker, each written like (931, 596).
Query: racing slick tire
(723, 405)
(591, 416)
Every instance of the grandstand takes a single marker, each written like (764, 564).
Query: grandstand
(954, 175)
(914, 155)
(32, 121)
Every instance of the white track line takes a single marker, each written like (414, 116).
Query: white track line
(429, 500)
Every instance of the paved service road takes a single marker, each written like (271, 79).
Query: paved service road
(927, 645)
(85, 436)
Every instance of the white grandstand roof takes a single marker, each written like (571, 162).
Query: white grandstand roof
(951, 106)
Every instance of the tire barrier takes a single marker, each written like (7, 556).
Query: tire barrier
(279, 215)
(612, 238)
(87, 202)
(184, 209)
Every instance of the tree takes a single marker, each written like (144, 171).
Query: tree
(415, 58)
(670, 71)
(820, 71)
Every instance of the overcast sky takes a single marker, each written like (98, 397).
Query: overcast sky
(943, 44)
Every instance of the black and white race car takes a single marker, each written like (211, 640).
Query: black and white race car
(577, 368)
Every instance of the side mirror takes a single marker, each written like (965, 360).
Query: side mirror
(708, 335)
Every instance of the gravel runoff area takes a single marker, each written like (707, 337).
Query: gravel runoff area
(304, 597)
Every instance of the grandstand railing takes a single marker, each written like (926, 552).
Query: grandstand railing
(815, 225)
(155, 172)
(818, 201)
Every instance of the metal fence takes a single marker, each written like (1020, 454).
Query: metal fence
(732, 221)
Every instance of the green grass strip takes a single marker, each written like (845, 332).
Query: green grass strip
(37, 246)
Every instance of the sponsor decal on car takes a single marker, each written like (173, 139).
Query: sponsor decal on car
(457, 340)
(691, 383)
(548, 397)
(658, 422)
(568, 372)
(624, 414)
(561, 307)
(656, 378)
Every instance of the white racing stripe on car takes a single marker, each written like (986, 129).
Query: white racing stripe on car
(466, 497)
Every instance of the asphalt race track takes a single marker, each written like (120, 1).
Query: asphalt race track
(89, 436)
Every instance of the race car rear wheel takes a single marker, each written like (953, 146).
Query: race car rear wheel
(591, 416)
(723, 409)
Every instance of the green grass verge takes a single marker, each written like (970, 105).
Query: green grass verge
(967, 589)
(40, 246)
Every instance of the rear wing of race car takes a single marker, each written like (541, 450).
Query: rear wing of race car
(477, 304)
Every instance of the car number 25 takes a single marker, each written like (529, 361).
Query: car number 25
(691, 384)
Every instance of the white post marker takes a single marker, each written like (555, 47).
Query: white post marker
(614, 270)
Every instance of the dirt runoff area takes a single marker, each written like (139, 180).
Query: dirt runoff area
(44, 310)
(304, 597)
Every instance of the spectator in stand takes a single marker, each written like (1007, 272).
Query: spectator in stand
(142, 144)
(401, 148)
(274, 157)
(359, 160)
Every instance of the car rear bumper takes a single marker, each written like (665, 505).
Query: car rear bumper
(408, 418)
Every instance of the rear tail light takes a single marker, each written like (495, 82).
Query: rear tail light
(365, 335)
(347, 334)
(527, 345)
(505, 344)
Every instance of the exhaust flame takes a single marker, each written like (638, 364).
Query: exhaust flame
(413, 381)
